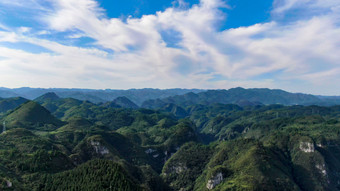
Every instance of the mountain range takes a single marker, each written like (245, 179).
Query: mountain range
(153, 98)
(95, 96)
(237, 139)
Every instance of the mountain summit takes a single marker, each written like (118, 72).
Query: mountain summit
(125, 102)
(32, 116)
(50, 96)
(121, 102)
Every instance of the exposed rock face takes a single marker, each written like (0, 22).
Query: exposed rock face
(9, 184)
(180, 168)
(99, 148)
(307, 147)
(167, 154)
(217, 179)
(150, 151)
(322, 169)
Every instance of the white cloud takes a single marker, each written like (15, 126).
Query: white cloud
(76, 35)
(43, 32)
(273, 54)
(24, 30)
(284, 5)
(26, 4)
(4, 27)
(312, 6)
(8, 37)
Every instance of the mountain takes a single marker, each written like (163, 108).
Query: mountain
(7, 93)
(175, 110)
(137, 96)
(188, 96)
(59, 107)
(25, 153)
(11, 103)
(330, 100)
(111, 104)
(32, 116)
(287, 148)
(50, 96)
(121, 102)
(66, 143)
(85, 177)
(91, 96)
(96, 96)
(236, 96)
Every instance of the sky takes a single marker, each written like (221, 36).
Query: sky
(210, 44)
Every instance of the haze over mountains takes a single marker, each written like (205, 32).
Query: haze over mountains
(95, 96)
(151, 98)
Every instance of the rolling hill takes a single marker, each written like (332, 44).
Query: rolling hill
(192, 143)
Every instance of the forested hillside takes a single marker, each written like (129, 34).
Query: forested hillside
(96, 96)
(243, 97)
(55, 143)
(156, 98)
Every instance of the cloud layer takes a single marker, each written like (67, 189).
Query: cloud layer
(179, 47)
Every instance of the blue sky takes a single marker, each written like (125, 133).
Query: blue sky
(213, 44)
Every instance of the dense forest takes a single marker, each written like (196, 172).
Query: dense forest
(207, 140)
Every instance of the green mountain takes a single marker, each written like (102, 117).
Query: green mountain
(125, 102)
(93, 175)
(68, 144)
(50, 96)
(111, 104)
(177, 111)
(11, 103)
(243, 97)
(7, 93)
(298, 156)
(56, 105)
(138, 96)
(32, 116)
(24, 155)
(121, 102)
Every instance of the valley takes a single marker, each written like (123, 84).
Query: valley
(211, 140)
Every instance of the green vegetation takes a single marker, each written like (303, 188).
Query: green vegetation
(184, 167)
(58, 143)
(32, 116)
(93, 175)
(11, 103)
(243, 97)
(121, 102)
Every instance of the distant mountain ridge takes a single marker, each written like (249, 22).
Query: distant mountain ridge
(256, 96)
(157, 98)
(138, 96)
(121, 102)
(48, 96)
(11, 103)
